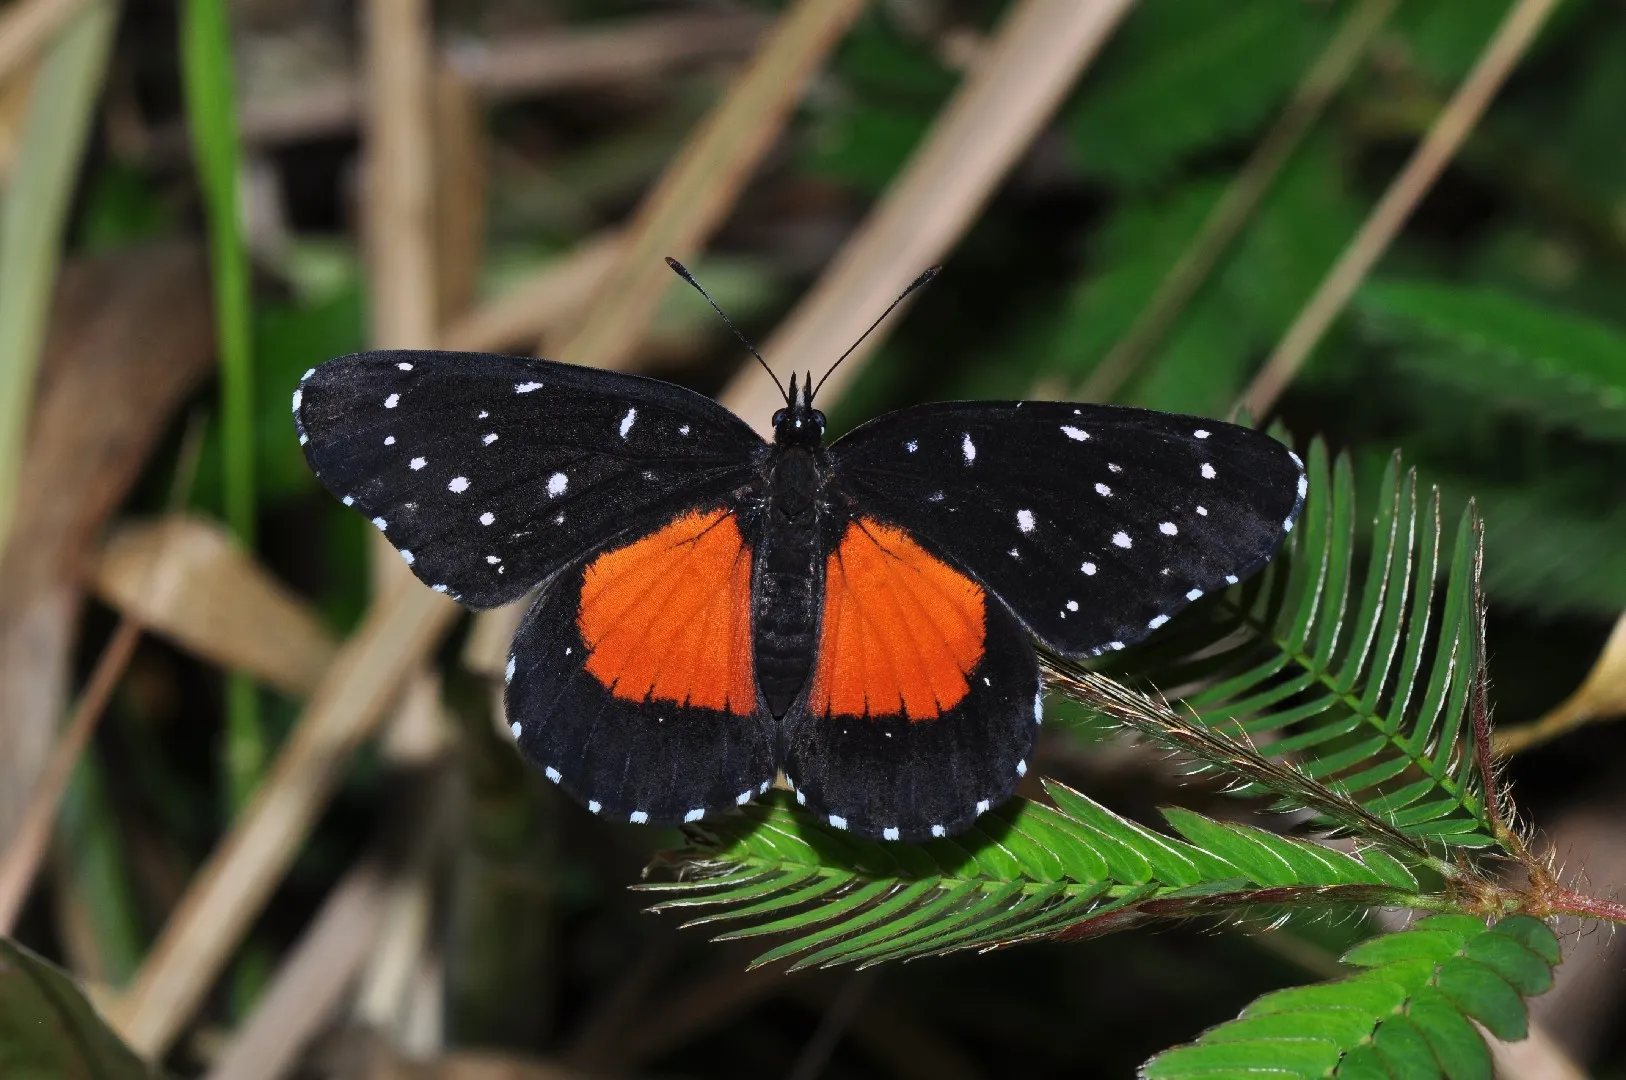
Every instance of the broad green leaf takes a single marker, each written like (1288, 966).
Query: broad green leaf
(48, 1031)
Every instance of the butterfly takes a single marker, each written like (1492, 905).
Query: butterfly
(716, 609)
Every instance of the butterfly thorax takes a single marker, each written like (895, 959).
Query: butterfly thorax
(790, 553)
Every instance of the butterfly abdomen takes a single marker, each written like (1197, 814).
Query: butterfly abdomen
(789, 579)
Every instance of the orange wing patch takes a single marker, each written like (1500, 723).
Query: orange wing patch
(902, 631)
(668, 617)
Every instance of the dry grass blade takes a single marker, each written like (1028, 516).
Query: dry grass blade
(27, 845)
(186, 580)
(700, 187)
(33, 213)
(1439, 146)
(1034, 58)
(1330, 71)
(1601, 695)
(26, 26)
(312, 982)
(539, 305)
(228, 892)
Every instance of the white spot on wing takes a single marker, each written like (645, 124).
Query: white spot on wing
(1287, 526)
(1121, 539)
(889, 833)
(1230, 579)
(1115, 646)
(1072, 605)
(1296, 459)
(1114, 468)
(438, 588)
(349, 500)
(968, 448)
(404, 366)
(1024, 520)
(594, 806)
(380, 524)
(743, 797)
(1168, 528)
(297, 394)
(627, 421)
(459, 485)
(911, 446)
(489, 439)
(1207, 471)
(493, 559)
(508, 672)
(308, 373)
(639, 817)
(514, 729)
(1089, 569)
(938, 830)
(526, 387)
(683, 429)
(389, 440)
(1021, 768)
(801, 797)
(1304, 484)
(1194, 594)
(1157, 622)
(1102, 489)
(1038, 707)
(552, 774)
(837, 822)
(557, 484)
(1200, 433)
(1076, 434)
(982, 807)
(408, 557)
(416, 463)
(487, 518)
(392, 401)
(1202, 511)
(696, 814)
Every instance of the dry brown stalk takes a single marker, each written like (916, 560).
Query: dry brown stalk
(1033, 59)
(25, 27)
(1223, 224)
(1439, 146)
(227, 894)
(398, 211)
(513, 67)
(702, 184)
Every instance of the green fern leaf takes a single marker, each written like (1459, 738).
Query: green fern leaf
(1025, 871)
(1360, 680)
(1404, 1011)
(1561, 369)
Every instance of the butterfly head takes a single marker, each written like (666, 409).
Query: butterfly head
(799, 423)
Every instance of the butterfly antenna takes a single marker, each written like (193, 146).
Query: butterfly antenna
(683, 272)
(923, 279)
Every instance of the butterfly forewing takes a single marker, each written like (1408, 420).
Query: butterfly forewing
(490, 473)
(1094, 523)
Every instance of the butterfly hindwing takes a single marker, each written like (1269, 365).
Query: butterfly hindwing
(489, 473)
(1094, 523)
(923, 703)
(631, 684)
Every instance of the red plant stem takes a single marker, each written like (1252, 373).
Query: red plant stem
(1565, 902)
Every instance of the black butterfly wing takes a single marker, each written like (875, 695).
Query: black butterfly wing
(631, 684)
(490, 473)
(1093, 523)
